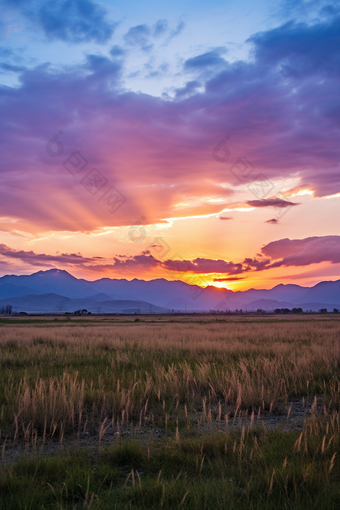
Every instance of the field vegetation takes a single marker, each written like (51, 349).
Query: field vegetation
(101, 388)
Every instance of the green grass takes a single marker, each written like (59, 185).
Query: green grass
(251, 469)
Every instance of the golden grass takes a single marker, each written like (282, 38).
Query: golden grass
(68, 378)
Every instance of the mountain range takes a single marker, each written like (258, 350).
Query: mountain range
(58, 291)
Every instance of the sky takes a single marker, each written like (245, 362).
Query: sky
(189, 141)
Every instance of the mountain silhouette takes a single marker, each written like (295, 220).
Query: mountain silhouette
(59, 291)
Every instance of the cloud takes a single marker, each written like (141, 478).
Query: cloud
(203, 266)
(298, 49)
(145, 261)
(72, 21)
(160, 71)
(273, 221)
(179, 29)
(6, 52)
(303, 252)
(139, 36)
(40, 259)
(103, 67)
(306, 9)
(160, 28)
(178, 267)
(117, 51)
(12, 68)
(158, 152)
(281, 253)
(271, 202)
(76, 260)
(256, 264)
(226, 218)
(231, 279)
(189, 89)
(14, 61)
(126, 264)
(9, 53)
(208, 59)
(175, 32)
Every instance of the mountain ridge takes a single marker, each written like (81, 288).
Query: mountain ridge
(161, 293)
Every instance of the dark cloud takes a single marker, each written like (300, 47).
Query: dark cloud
(271, 202)
(226, 218)
(201, 265)
(257, 264)
(189, 88)
(209, 59)
(145, 260)
(273, 221)
(297, 49)
(73, 21)
(178, 267)
(102, 66)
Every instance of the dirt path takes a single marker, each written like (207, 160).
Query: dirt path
(294, 416)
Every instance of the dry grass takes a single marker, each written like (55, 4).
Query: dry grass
(70, 378)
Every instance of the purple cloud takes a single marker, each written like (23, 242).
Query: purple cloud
(164, 147)
(40, 259)
(303, 252)
(284, 252)
(271, 202)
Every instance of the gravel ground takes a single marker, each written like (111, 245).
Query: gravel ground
(292, 417)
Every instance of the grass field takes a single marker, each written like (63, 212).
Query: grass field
(170, 412)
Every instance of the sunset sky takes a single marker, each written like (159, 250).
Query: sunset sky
(179, 140)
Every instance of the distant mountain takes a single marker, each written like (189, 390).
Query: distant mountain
(174, 295)
(281, 292)
(100, 297)
(63, 292)
(55, 303)
(9, 290)
(323, 291)
(51, 281)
